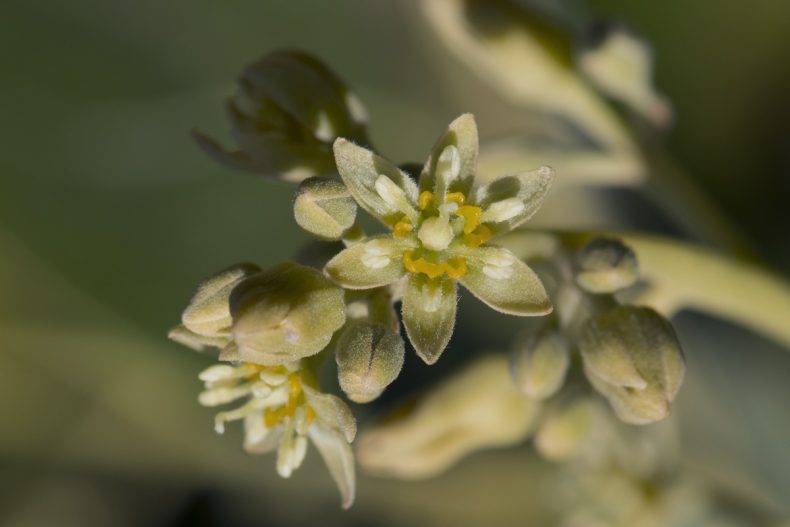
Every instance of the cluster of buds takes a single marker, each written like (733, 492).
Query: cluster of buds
(628, 354)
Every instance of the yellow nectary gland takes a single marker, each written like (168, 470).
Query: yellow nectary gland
(402, 228)
(477, 238)
(454, 268)
(273, 417)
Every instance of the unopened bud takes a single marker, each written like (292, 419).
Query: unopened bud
(285, 313)
(632, 357)
(208, 312)
(564, 432)
(620, 64)
(539, 364)
(325, 208)
(605, 265)
(288, 110)
(369, 357)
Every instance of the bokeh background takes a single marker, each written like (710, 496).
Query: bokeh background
(109, 216)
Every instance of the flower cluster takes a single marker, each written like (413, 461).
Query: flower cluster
(275, 328)
(265, 324)
(439, 229)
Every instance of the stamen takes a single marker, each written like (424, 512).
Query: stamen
(504, 210)
(499, 266)
(448, 165)
(432, 297)
(375, 256)
(394, 196)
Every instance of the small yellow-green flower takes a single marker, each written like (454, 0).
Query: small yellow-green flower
(439, 233)
(283, 409)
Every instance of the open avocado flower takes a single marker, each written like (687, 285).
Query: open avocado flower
(439, 233)
(283, 408)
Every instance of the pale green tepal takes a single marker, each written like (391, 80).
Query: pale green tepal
(206, 322)
(283, 314)
(633, 358)
(439, 229)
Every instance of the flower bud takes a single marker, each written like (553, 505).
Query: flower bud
(369, 357)
(605, 265)
(564, 432)
(324, 208)
(633, 358)
(620, 64)
(539, 364)
(284, 314)
(208, 313)
(287, 112)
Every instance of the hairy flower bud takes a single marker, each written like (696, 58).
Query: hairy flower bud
(620, 65)
(605, 265)
(208, 312)
(324, 208)
(285, 313)
(288, 110)
(369, 357)
(563, 433)
(539, 363)
(632, 357)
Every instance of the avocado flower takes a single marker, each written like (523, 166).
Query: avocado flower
(440, 229)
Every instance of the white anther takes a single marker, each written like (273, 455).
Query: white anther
(503, 210)
(273, 377)
(432, 298)
(448, 166)
(375, 255)
(220, 396)
(391, 193)
(224, 372)
(498, 265)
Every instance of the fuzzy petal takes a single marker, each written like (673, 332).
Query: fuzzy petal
(429, 307)
(498, 278)
(374, 262)
(509, 201)
(361, 169)
(339, 459)
(461, 134)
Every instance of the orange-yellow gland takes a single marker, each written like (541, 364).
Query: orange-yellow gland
(478, 237)
(454, 268)
(402, 228)
(273, 417)
(426, 197)
(455, 197)
(471, 216)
